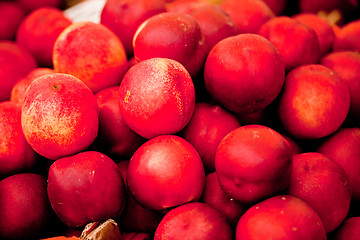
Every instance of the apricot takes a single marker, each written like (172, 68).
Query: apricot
(232, 75)
(349, 229)
(253, 162)
(157, 96)
(59, 115)
(348, 36)
(280, 217)
(92, 53)
(314, 102)
(12, 14)
(165, 172)
(193, 221)
(85, 187)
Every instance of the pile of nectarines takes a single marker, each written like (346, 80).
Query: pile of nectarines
(180, 119)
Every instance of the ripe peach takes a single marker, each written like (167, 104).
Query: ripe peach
(280, 217)
(157, 97)
(12, 14)
(91, 52)
(207, 127)
(15, 153)
(186, 6)
(123, 17)
(24, 206)
(59, 115)
(85, 187)
(165, 172)
(297, 43)
(349, 229)
(343, 147)
(346, 64)
(193, 221)
(324, 185)
(249, 15)
(171, 35)
(114, 136)
(348, 37)
(314, 102)
(32, 5)
(232, 75)
(39, 31)
(253, 162)
(15, 62)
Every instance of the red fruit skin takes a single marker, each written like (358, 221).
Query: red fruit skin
(91, 52)
(157, 96)
(280, 217)
(186, 6)
(85, 187)
(32, 5)
(18, 90)
(322, 28)
(249, 15)
(233, 78)
(39, 31)
(277, 6)
(123, 17)
(15, 153)
(324, 185)
(193, 221)
(215, 197)
(314, 102)
(165, 172)
(348, 37)
(114, 136)
(349, 229)
(253, 162)
(24, 206)
(16, 62)
(297, 43)
(207, 127)
(176, 31)
(343, 147)
(12, 14)
(59, 115)
(346, 64)
(137, 236)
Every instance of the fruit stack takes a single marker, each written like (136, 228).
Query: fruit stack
(182, 119)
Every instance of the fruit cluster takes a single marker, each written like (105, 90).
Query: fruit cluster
(180, 119)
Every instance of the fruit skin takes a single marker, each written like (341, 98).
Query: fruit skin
(280, 217)
(157, 96)
(253, 162)
(297, 43)
(12, 14)
(348, 36)
(324, 185)
(277, 6)
(233, 78)
(193, 221)
(343, 147)
(32, 5)
(176, 31)
(85, 187)
(314, 102)
(207, 127)
(59, 115)
(349, 229)
(39, 31)
(24, 206)
(15, 153)
(92, 53)
(165, 172)
(123, 17)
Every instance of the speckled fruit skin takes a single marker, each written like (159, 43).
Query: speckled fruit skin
(343, 147)
(24, 206)
(165, 172)
(193, 221)
(91, 52)
(171, 35)
(253, 162)
(125, 16)
(349, 230)
(314, 102)
(324, 185)
(157, 96)
(15, 153)
(297, 43)
(59, 115)
(348, 36)
(233, 77)
(85, 187)
(280, 217)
